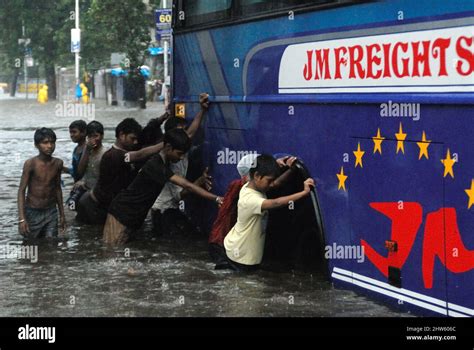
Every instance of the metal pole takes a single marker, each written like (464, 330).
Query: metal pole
(165, 47)
(76, 54)
(25, 70)
(165, 61)
(26, 75)
(37, 80)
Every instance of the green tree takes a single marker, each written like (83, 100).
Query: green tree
(123, 26)
(11, 22)
(46, 23)
(106, 26)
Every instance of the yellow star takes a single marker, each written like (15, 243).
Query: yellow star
(448, 165)
(342, 179)
(401, 136)
(470, 193)
(378, 142)
(423, 144)
(358, 154)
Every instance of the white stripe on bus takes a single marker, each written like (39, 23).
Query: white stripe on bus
(390, 294)
(401, 291)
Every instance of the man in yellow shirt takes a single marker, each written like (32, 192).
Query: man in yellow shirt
(245, 242)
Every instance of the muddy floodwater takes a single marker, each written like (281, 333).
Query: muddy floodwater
(156, 276)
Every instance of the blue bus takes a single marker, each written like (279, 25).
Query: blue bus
(376, 99)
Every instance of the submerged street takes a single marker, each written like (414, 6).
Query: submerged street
(157, 276)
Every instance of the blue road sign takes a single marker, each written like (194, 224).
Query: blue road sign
(163, 23)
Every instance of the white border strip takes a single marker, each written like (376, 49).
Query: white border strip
(408, 88)
(401, 294)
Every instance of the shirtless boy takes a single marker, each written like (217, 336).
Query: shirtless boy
(38, 215)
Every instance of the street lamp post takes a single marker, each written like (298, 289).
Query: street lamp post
(77, 51)
(165, 61)
(25, 41)
(165, 47)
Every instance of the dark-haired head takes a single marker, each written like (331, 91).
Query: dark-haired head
(77, 131)
(177, 139)
(44, 134)
(80, 125)
(264, 172)
(45, 141)
(176, 144)
(95, 134)
(265, 165)
(128, 126)
(127, 133)
(151, 133)
(95, 127)
(175, 123)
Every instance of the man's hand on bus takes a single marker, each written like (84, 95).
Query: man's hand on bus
(290, 162)
(282, 161)
(308, 185)
(204, 101)
(205, 180)
(287, 161)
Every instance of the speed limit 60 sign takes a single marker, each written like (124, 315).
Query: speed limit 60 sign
(163, 23)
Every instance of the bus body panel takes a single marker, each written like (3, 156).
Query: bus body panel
(396, 195)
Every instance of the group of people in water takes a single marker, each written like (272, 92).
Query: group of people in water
(145, 169)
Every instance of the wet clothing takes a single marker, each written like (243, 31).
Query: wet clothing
(114, 175)
(223, 262)
(227, 214)
(75, 195)
(245, 242)
(170, 196)
(172, 221)
(90, 211)
(166, 216)
(42, 222)
(91, 175)
(76, 157)
(132, 204)
(115, 232)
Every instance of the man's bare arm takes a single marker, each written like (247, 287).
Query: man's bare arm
(59, 199)
(25, 179)
(283, 178)
(194, 127)
(203, 181)
(144, 153)
(163, 117)
(186, 185)
(282, 201)
(82, 166)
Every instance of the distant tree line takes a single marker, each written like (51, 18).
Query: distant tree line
(106, 26)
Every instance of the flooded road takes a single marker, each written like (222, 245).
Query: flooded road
(165, 276)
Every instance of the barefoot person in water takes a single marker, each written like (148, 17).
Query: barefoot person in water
(38, 216)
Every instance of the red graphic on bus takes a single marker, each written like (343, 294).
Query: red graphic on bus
(441, 239)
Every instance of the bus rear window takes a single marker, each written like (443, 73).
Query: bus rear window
(253, 7)
(206, 11)
(198, 13)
